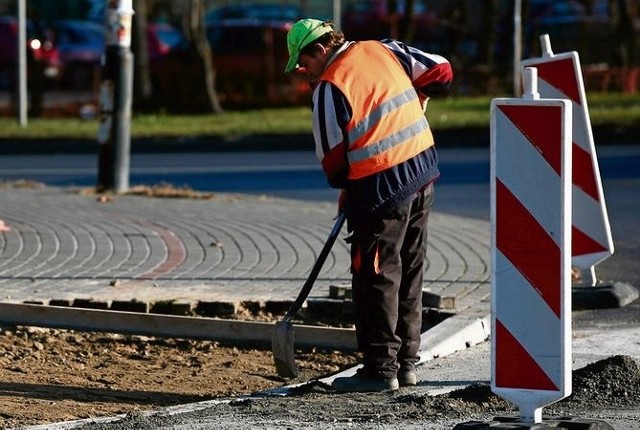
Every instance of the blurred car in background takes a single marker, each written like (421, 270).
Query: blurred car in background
(80, 45)
(249, 55)
(249, 45)
(41, 51)
(572, 27)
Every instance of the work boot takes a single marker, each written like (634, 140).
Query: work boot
(407, 378)
(363, 383)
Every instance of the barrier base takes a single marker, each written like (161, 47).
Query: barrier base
(602, 296)
(512, 423)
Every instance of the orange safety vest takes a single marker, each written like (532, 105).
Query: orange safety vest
(387, 125)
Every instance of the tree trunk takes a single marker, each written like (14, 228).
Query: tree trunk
(401, 26)
(141, 79)
(625, 35)
(196, 35)
(406, 27)
(489, 24)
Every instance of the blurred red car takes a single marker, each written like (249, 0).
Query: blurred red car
(250, 58)
(39, 47)
(249, 45)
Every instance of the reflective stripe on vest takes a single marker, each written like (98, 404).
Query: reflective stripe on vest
(387, 125)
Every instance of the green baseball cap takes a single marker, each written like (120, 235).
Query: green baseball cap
(303, 33)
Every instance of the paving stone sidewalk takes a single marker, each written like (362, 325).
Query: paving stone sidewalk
(66, 248)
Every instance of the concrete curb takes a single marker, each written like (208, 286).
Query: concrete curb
(456, 334)
(452, 335)
(615, 295)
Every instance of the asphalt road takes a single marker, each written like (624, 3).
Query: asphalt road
(279, 172)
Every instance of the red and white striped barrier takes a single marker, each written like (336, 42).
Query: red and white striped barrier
(560, 76)
(531, 257)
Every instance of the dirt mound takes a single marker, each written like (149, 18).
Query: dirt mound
(612, 382)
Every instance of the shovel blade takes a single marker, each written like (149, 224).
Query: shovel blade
(283, 350)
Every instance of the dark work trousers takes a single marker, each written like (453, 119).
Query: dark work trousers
(387, 264)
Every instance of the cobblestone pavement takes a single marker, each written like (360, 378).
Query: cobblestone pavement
(66, 248)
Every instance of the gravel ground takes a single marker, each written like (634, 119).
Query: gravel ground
(611, 387)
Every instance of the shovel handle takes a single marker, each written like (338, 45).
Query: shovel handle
(306, 288)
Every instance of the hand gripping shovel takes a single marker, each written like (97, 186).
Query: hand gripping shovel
(283, 334)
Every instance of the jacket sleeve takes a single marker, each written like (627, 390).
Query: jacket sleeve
(331, 113)
(431, 74)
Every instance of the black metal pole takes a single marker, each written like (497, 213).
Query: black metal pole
(116, 90)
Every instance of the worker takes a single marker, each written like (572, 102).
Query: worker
(375, 145)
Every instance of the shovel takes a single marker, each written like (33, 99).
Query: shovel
(283, 334)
